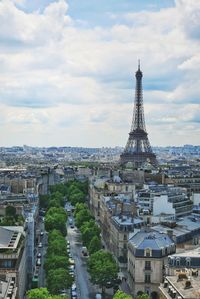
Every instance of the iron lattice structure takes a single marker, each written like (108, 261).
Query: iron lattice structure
(138, 149)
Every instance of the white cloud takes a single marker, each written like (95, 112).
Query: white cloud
(81, 80)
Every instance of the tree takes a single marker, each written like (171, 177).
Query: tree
(82, 216)
(11, 211)
(57, 247)
(143, 296)
(56, 219)
(55, 262)
(103, 269)
(53, 203)
(58, 196)
(41, 293)
(57, 278)
(89, 230)
(43, 201)
(77, 197)
(79, 207)
(121, 295)
(95, 245)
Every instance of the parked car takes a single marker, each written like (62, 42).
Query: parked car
(39, 254)
(84, 251)
(38, 262)
(74, 294)
(40, 245)
(73, 287)
(71, 262)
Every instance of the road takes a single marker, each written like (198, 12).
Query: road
(43, 239)
(84, 288)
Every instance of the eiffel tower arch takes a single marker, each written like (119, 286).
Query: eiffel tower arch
(138, 150)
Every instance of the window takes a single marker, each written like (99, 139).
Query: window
(147, 265)
(147, 252)
(178, 262)
(147, 278)
(188, 261)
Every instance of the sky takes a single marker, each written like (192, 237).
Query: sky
(67, 71)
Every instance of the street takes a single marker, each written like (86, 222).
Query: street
(84, 288)
(44, 240)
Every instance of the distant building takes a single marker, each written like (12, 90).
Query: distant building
(162, 199)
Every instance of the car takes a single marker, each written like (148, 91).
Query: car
(73, 287)
(98, 296)
(71, 261)
(41, 233)
(72, 267)
(39, 254)
(68, 243)
(38, 262)
(72, 226)
(70, 255)
(84, 251)
(74, 294)
(40, 245)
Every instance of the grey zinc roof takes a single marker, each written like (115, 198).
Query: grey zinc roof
(152, 239)
(5, 237)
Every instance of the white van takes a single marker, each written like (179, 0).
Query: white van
(98, 296)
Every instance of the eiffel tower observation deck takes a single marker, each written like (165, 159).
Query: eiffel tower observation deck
(138, 149)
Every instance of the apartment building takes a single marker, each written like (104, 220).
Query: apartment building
(13, 259)
(161, 199)
(147, 255)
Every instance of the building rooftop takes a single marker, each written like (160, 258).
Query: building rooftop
(185, 225)
(192, 292)
(9, 238)
(151, 239)
(127, 220)
(189, 253)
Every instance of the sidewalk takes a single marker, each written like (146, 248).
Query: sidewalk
(125, 287)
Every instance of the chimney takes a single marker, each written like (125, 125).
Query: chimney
(170, 233)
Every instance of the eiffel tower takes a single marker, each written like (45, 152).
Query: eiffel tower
(138, 149)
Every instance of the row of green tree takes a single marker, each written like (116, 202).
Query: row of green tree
(90, 231)
(74, 191)
(57, 263)
(57, 260)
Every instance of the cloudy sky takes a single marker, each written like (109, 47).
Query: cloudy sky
(67, 71)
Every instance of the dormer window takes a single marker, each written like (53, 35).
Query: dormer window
(147, 252)
(188, 262)
(178, 261)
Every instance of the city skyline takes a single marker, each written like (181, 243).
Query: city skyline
(67, 71)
